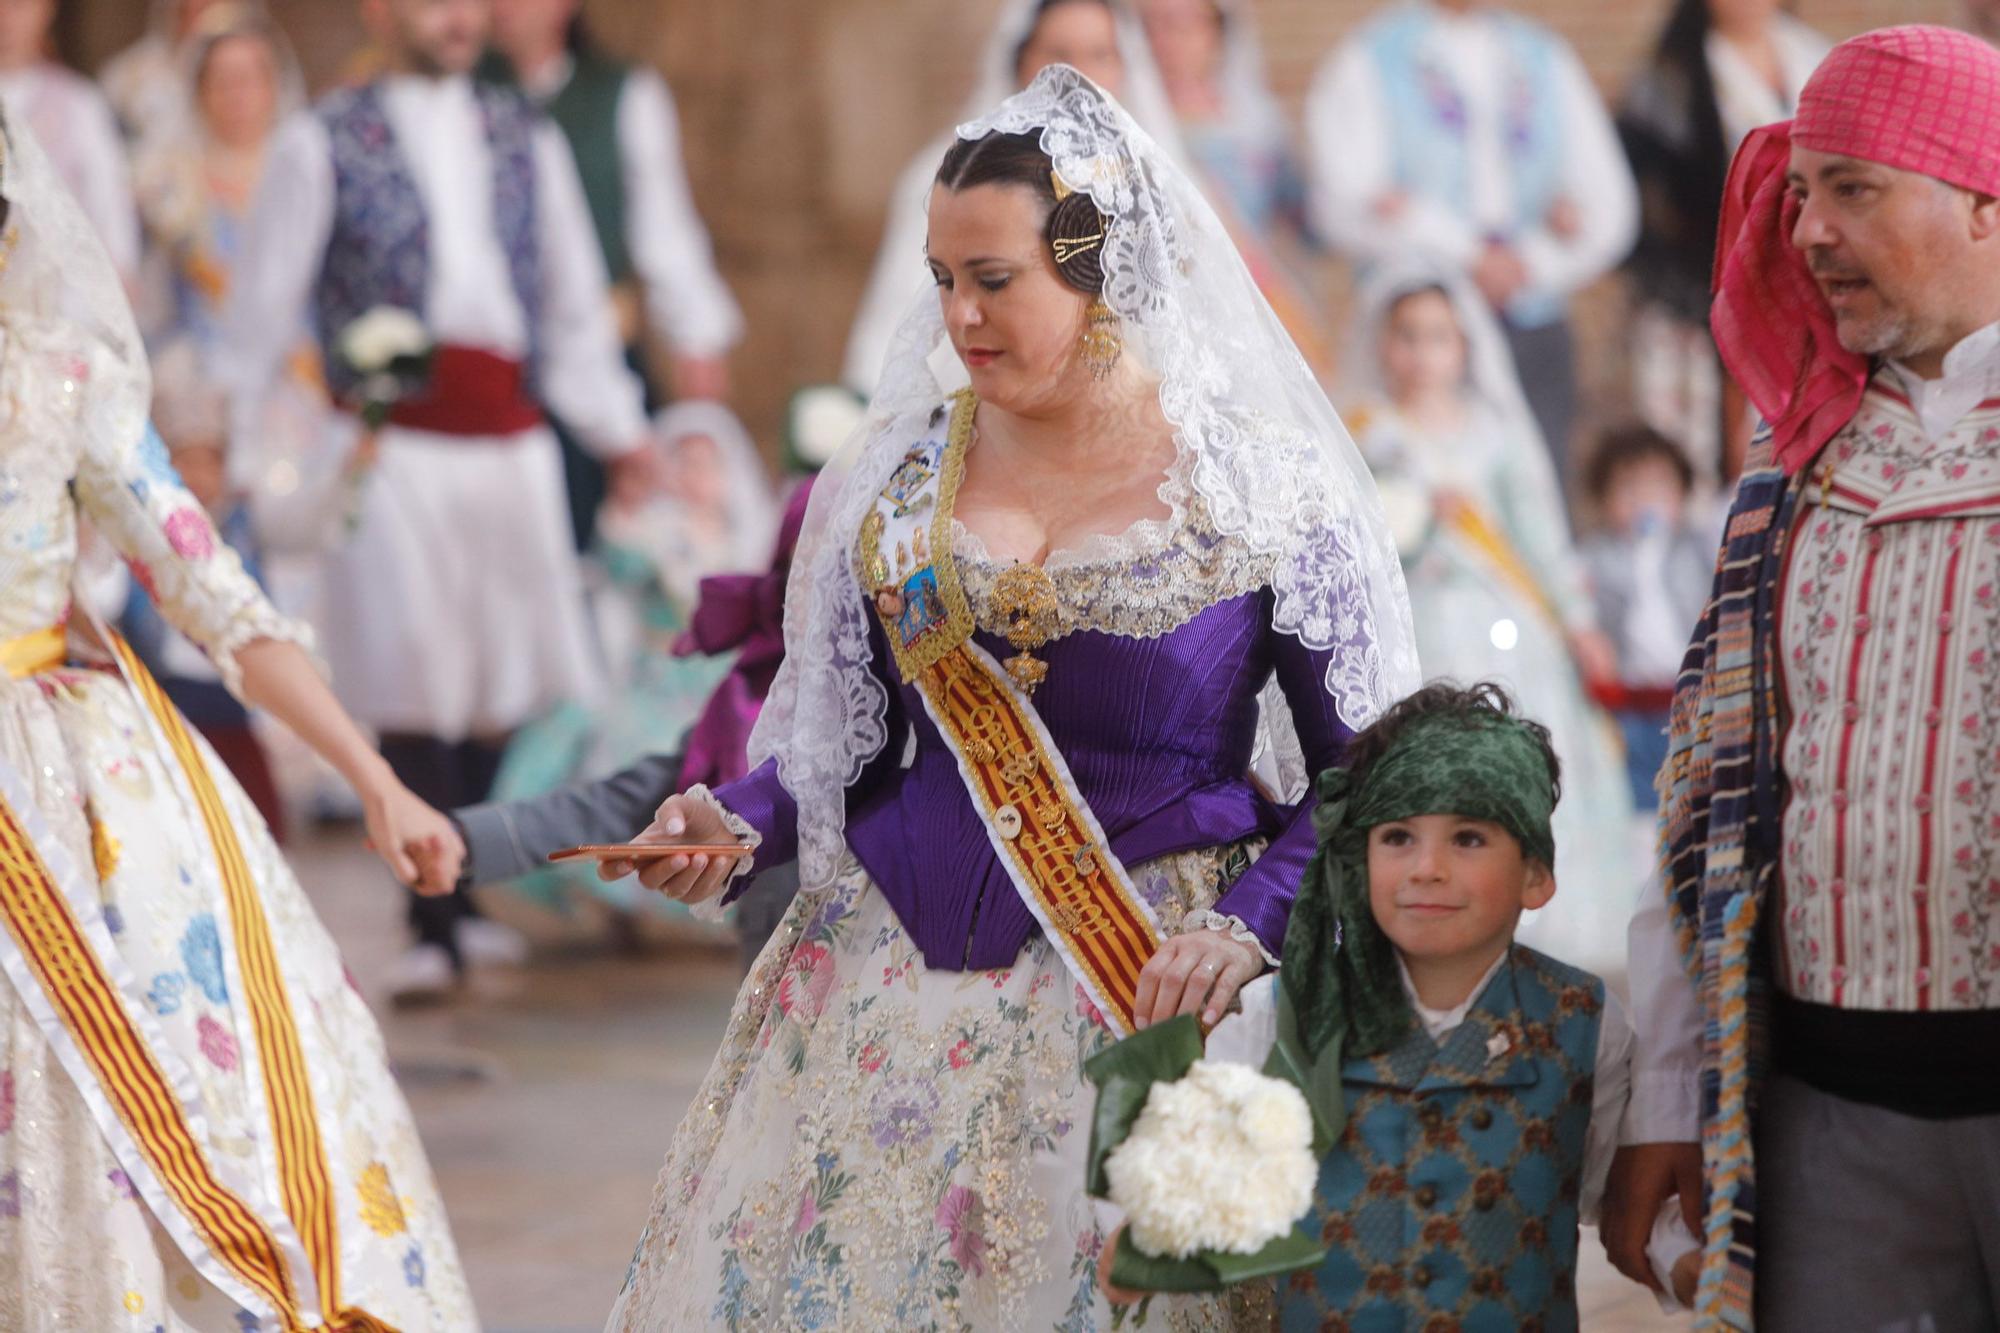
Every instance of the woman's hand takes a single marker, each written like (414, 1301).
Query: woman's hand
(690, 879)
(1196, 973)
(421, 847)
(1114, 1293)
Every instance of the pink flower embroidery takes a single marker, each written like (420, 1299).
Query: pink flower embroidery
(190, 535)
(959, 1214)
(802, 994)
(808, 1212)
(872, 1057)
(960, 1055)
(216, 1043)
(6, 1101)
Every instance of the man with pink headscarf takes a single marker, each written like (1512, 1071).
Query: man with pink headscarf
(1816, 981)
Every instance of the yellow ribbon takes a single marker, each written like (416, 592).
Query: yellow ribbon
(32, 654)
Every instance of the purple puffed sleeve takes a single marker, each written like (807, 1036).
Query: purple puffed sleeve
(1262, 898)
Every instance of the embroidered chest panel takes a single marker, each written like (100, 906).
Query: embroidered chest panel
(1890, 623)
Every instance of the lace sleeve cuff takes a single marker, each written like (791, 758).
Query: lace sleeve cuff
(739, 827)
(1232, 926)
(264, 622)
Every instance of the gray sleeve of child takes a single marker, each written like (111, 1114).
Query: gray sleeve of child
(503, 840)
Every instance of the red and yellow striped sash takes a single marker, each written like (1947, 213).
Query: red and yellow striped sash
(1049, 841)
(304, 1177)
(86, 1000)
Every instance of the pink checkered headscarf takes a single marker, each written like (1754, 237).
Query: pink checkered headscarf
(1917, 98)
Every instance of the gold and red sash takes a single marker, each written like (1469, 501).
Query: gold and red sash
(65, 964)
(1041, 828)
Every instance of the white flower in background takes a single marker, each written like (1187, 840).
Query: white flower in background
(1220, 1160)
(385, 335)
(822, 418)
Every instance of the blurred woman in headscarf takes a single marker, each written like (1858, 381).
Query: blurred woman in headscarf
(1212, 64)
(143, 82)
(1721, 69)
(196, 178)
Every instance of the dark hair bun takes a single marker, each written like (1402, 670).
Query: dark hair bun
(1077, 232)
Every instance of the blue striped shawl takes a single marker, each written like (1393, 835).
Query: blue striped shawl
(1721, 799)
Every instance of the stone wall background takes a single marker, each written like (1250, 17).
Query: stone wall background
(797, 114)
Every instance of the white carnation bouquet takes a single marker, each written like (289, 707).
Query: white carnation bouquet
(389, 351)
(1214, 1164)
(1221, 1159)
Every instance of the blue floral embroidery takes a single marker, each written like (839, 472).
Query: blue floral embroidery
(246, 1321)
(114, 920)
(201, 953)
(165, 996)
(154, 464)
(413, 1266)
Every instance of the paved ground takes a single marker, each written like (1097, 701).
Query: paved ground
(546, 1101)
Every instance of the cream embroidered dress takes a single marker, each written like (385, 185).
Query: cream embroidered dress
(94, 1234)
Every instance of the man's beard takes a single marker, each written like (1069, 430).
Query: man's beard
(1897, 337)
(424, 63)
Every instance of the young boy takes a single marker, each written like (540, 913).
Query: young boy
(1650, 564)
(1480, 1083)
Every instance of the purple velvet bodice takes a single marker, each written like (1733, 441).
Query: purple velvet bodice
(1158, 732)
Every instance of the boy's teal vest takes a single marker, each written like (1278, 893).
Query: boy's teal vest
(1450, 1205)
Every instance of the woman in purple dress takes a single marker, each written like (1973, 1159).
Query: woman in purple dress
(1036, 627)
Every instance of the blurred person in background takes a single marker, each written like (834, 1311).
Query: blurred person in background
(718, 518)
(1495, 582)
(74, 124)
(1457, 130)
(196, 180)
(454, 603)
(1238, 140)
(1721, 69)
(1100, 38)
(1650, 558)
(626, 138)
(146, 82)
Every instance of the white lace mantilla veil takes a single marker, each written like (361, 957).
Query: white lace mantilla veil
(898, 272)
(58, 287)
(1258, 441)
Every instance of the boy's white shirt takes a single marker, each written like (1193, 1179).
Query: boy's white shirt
(1247, 1037)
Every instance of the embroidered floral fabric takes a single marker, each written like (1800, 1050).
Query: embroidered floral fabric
(880, 1145)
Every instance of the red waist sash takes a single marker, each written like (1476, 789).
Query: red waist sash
(472, 392)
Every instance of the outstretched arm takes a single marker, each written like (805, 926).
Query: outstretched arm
(279, 677)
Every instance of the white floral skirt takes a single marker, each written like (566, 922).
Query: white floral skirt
(879, 1145)
(79, 1248)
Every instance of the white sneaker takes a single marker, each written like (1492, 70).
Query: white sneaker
(422, 975)
(488, 943)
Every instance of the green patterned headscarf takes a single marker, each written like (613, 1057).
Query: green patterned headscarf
(1339, 974)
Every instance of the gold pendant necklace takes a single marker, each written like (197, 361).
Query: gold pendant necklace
(1025, 598)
